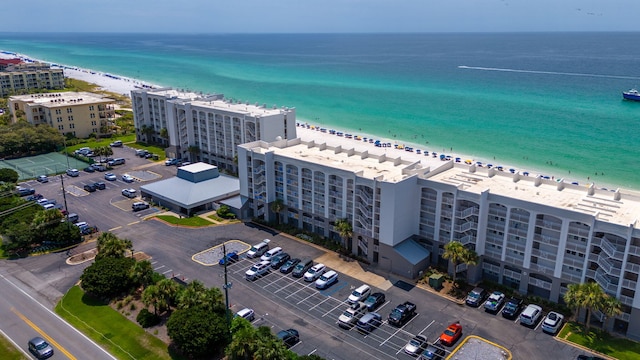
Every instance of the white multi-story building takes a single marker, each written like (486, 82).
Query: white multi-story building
(533, 233)
(206, 128)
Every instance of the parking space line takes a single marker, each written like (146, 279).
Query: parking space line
(320, 303)
(330, 311)
(303, 300)
(297, 281)
(334, 289)
(400, 329)
(302, 288)
(159, 267)
(170, 270)
(425, 329)
(539, 323)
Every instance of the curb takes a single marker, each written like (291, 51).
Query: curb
(581, 347)
(445, 296)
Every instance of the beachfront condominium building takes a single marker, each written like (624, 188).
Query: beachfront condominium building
(208, 128)
(535, 234)
(79, 113)
(23, 78)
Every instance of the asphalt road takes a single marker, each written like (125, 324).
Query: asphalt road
(280, 301)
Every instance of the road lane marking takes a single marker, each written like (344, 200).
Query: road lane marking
(44, 335)
(132, 223)
(115, 228)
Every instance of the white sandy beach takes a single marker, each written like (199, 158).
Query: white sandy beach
(122, 85)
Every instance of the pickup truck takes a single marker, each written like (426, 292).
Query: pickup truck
(402, 313)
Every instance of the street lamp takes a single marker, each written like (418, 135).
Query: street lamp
(227, 285)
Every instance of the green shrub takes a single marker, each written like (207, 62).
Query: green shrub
(147, 319)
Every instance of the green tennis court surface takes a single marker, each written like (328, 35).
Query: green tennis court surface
(46, 164)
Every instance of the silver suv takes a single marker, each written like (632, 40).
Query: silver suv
(257, 270)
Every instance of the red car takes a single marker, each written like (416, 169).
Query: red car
(451, 334)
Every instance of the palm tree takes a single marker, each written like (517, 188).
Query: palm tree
(343, 226)
(168, 291)
(110, 245)
(151, 297)
(611, 307)
(164, 133)
(456, 253)
(193, 151)
(588, 296)
(147, 131)
(142, 273)
(193, 295)
(277, 207)
(46, 218)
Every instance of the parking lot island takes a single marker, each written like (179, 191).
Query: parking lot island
(475, 347)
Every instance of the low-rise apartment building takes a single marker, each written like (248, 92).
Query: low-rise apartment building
(206, 128)
(532, 233)
(23, 78)
(78, 113)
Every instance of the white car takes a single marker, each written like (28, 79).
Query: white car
(246, 313)
(258, 269)
(351, 316)
(127, 178)
(552, 322)
(327, 279)
(315, 272)
(110, 176)
(130, 193)
(494, 302)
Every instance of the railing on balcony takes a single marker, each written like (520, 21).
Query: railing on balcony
(467, 212)
(540, 283)
(543, 254)
(546, 239)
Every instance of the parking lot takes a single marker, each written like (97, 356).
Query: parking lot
(280, 301)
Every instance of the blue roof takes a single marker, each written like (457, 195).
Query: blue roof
(412, 251)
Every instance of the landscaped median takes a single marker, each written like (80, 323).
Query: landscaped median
(107, 327)
(600, 341)
(194, 221)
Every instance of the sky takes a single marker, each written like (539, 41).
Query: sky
(326, 16)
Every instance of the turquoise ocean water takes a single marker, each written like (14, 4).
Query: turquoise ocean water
(549, 102)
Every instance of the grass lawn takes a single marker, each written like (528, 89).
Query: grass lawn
(619, 348)
(107, 327)
(8, 351)
(93, 143)
(190, 221)
(157, 150)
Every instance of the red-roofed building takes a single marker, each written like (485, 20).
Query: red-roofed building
(6, 62)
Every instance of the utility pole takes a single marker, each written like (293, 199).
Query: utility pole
(64, 197)
(227, 285)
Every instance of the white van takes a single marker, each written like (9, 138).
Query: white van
(271, 253)
(359, 294)
(530, 315)
(258, 249)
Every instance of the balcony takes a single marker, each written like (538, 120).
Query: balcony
(491, 267)
(467, 212)
(512, 274)
(550, 225)
(627, 300)
(466, 226)
(629, 284)
(543, 254)
(542, 269)
(571, 277)
(544, 239)
(467, 239)
(634, 268)
(540, 283)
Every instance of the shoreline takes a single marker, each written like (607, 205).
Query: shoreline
(124, 85)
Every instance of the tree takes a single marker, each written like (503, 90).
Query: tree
(164, 133)
(169, 290)
(107, 277)
(250, 343)
(611, 307)
(588, 296)
(343, 226)
(193, 152)
(198, 332)
(151, 296)
(9, 175)
(110, 245)
(142, 273)
(277, 207)
(47, 218)
(457, 254)
(196, 294)
(147, 131)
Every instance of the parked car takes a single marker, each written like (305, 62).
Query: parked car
(476, 297)
(314, 273)
(351, 315)
(302, 268)
(257, 270)
(289, 337)
(530, 315)
(451, 334)
(116, 143)
(130, 193)
(139, 205)
(229, 258)
(22, 191)
(99, 167)
(73, 172)
(42, 179)
(327, 279)
(368, 322)
(246, 313)
(512, 308)
(90, 188)
(267, 256)
(587, 357)
(40, 348)
(552, 322)
(73, 217)
(171, 161)
(433, 352)
(375, 300)
(34, 197)
(110, 176)
(359, 294)
(258, 249)
(494, 302)
(289, 265)
(416, 345)
(89, 169)
(278, 260)
(402, 313)
(141, 152)
(127, 178)
(100, 185)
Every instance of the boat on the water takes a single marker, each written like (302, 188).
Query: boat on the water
(632, 94)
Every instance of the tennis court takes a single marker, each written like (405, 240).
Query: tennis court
(46, 164)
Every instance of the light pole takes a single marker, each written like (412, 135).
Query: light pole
(227, 285)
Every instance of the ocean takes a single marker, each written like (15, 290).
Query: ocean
(548, 102)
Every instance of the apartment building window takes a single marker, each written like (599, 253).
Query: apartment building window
(58, 111)
(59, 119)
(91, 108)
(95, 130)
(60, 127)
(69, 110)
(72, 126)
(70, 117)
(94, 123)
(92, 116)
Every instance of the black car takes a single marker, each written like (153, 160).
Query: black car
(279, 260)
(289, 265)
(433, 352)
(90, 187)
(100, 185)
(585, 357)
(512, 308)
(25, 191)
(289, 337)
(89, 169)
(374, 301)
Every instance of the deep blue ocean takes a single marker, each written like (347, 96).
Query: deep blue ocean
(549, 102)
